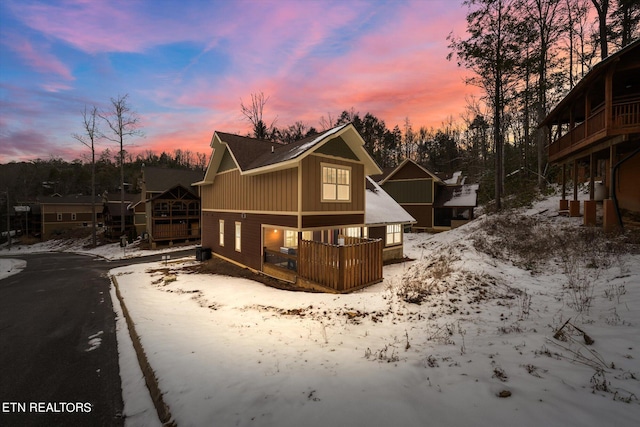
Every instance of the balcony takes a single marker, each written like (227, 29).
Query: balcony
(625, 119)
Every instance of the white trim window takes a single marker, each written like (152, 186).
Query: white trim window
(336, 183)
(290, 239)
(73, 217)
(307, 235)
(394, 234)
(221, 231)
(239, 236)
(352, 232)
(59, 217)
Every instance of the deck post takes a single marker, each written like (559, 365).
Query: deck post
(575, 179)
(590, 212)
(609, 219)
(574, 208)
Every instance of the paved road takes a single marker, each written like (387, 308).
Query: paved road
(58, 350)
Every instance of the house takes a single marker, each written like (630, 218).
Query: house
(437, 205)
(385, 219)
(169, 206)
(290, 211)
(112, 213)
(61, 213)
(597, 127)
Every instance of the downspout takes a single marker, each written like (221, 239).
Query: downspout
(613, 184)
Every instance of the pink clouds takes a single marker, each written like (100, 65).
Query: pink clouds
(37, 58)
(312, 58)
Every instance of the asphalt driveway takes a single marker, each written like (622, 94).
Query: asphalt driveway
(58, 348)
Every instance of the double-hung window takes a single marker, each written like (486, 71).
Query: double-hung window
(221, 231)
(336, 183)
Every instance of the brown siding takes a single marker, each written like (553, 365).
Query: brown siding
(275, 191)
(410, 171)
(628, 190)
(379, 232)
(251, 240)
(311, 221)
(413, 191)
(423, 214)
(312, 186)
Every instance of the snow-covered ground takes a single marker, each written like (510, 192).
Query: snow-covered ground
(464, 335)
(111, 251)
(9, 267)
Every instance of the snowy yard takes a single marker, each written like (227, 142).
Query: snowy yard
(464, 335)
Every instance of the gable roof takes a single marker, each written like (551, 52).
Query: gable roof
(381, 209)
(177, 192)
(408, 163)
(161, 179)
(253, 156)
(598, 70)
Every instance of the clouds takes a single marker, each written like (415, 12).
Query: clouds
(188, 64)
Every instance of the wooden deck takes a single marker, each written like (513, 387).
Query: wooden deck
(624, 119)
(355, 264)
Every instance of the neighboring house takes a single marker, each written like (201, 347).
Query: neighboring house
(436, 205)
(169, 207)
(287, 210)
(597, 127)
(112, 212)
(61, 213)
(385, 219)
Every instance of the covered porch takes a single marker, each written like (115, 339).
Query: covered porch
(325, 260)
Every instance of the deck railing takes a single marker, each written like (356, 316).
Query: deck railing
(175, 231)
(625, 115)
(341, 267)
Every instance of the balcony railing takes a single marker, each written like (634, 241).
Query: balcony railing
(624, 114)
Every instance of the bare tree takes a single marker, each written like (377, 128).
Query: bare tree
(602, 7)
(88, 138)
(123, 123)
(254, 113)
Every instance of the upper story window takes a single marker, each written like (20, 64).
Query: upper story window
(336, 183)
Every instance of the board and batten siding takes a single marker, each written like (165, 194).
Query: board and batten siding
(269, 192)
(312, 186)
(410, 191)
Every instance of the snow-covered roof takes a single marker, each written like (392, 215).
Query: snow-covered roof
(380, 207)
(463, 196)
(454, 179)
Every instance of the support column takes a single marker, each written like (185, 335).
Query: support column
(590, 212)
(592, 172)
(574, 208)
(575, 180)
(609, 219)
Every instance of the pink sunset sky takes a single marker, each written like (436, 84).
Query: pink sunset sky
(187, 65)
